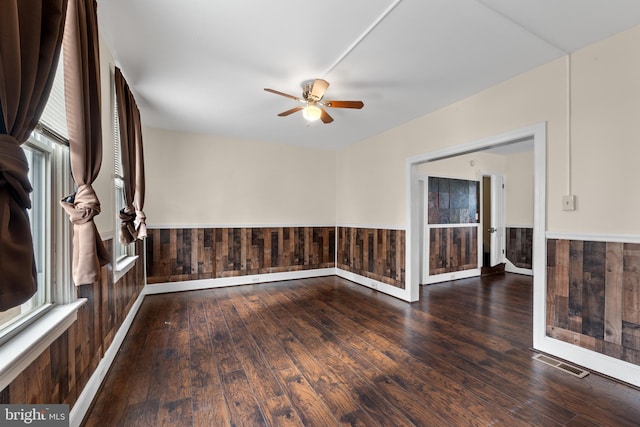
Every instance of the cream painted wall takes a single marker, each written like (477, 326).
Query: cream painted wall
(519, 189)
(606, 136)
(605, 127)
(531, 98)
(103, 185)
(460, 166)
(278, 184)
(198, 180)
(517, 169)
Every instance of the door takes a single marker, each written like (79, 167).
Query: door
(496, 223)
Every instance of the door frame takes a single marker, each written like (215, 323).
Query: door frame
(503, 213)
(413, 199)
(426, 278)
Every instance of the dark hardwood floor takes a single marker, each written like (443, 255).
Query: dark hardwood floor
(325, 352)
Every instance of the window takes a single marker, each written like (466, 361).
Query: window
(121, 252)
(49, 173)
(12, 319)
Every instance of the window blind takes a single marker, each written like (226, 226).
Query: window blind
(54, 116)
(117, 157)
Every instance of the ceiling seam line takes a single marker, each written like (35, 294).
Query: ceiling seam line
(568, 106)
(508, 18)
(362, 36)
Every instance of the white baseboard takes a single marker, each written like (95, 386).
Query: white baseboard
(89, 391)
(194, 285)
(399, 293)
(510, 268)
(445, 277)
(592, 360)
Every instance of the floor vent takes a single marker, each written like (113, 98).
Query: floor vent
(575, 371)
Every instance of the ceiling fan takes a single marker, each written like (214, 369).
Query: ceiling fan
(312, 97)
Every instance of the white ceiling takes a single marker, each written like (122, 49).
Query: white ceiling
(201, 65)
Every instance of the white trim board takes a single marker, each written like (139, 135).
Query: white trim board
(216, 226)
(511, 268)
(371, 227)
(192, 285)
(454, 275)
(592, 360)
(373, 284)
(21, 350)
(456, 225)
(253, 279)
(82, 405)
(614, 238)
(537, 133)
(192, 226)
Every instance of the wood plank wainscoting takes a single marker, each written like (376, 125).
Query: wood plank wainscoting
(377, 254)
(452, 249)
(182, 254)
(453, 210)
(593, 296)
(519, 246)
(61, 372)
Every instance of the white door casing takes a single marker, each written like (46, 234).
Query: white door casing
(496, 226)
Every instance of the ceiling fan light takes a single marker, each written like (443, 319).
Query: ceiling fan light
(311, 113)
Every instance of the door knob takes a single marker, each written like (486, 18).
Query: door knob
(492, 230)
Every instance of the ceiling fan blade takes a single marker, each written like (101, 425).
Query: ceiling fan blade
(344, 104)
(325, 117)
(283, 94)
(319, 88)
(291, 111)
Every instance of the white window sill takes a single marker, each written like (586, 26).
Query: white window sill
(123, 266)
(18, 353)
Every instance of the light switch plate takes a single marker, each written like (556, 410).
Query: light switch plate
(568, 203)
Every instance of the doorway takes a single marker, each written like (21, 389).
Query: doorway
(414, 199)
(492, 218)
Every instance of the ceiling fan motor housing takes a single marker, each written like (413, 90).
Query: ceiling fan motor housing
(314, 91)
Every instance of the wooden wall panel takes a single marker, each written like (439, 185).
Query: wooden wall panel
(452, 249)
(179, 254)
(60, 373)
(118, 299)
(593, 296)
(375, 253)
(189, 254)
(519, 242)
(453, 201)
(243, 251)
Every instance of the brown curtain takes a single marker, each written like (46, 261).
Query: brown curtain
(133, 219)
(82, 93)
(138, 197)
(30, 37)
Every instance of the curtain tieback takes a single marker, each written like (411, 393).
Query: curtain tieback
(141, 224)
(127, 227)
(14, 170)
(82, 205)
(88, 251)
